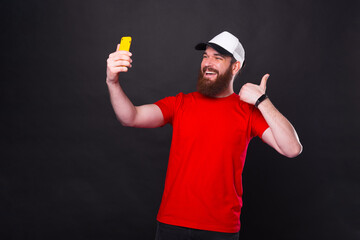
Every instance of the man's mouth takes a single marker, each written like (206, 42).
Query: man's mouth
(210, 72)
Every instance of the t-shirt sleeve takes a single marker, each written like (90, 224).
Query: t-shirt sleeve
(168, 107)
(258, 123)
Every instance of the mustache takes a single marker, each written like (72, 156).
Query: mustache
(210, 69)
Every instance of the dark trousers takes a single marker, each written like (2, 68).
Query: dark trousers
(171, 232)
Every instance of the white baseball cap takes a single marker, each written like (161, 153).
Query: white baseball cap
(227, 44)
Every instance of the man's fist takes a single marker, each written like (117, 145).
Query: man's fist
(250, 93)
(119, 61)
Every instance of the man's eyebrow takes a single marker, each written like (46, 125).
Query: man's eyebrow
(219, 54)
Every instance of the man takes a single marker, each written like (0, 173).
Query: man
(212, 128)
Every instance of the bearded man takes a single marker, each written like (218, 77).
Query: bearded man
(212, 128)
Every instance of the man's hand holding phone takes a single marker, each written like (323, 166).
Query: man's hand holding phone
(119, 61)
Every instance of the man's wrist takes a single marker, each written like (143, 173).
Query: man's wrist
(112, 81)
(261, 99)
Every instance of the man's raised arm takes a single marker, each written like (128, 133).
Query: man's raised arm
(280, 135)
(145, 116)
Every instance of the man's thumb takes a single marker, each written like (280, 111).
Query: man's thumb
(264, 81)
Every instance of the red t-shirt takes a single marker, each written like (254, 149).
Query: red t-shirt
(203, 186)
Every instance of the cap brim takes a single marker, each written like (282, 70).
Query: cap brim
(200, 46)
(221, 50)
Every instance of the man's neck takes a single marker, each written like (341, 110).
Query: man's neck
(227, 92)
(224, 94)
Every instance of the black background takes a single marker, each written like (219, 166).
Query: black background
(69, 170)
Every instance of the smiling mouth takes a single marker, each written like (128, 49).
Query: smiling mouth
(210, 72)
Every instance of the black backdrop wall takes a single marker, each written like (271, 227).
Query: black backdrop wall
(69, 170)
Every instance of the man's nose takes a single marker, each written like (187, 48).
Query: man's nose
(207, 62)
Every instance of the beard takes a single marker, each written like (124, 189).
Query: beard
(213, 88)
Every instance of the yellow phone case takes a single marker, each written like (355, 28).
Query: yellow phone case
(125, 44)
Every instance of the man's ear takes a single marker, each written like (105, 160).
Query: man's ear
(235, 67)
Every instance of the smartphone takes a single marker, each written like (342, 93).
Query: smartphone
(125, 44)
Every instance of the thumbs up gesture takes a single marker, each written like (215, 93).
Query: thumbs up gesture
(250, 93)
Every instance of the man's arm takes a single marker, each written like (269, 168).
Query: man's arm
(145, 116)
(280, 135)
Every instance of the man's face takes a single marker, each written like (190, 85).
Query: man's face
(215, 73)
